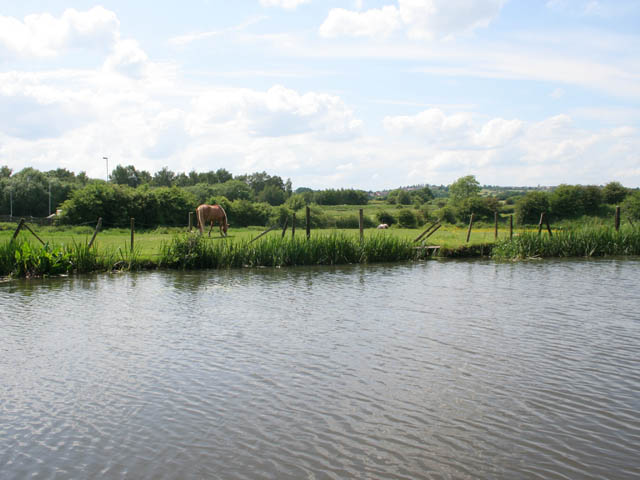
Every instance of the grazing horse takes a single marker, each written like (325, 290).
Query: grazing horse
(210, 214)
(383, 226)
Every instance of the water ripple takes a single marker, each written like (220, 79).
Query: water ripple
(435, 370)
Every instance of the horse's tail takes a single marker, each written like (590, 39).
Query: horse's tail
(199, 215)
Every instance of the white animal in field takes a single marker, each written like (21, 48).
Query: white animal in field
(383, 226)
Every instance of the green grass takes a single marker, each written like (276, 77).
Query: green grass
(589, 241)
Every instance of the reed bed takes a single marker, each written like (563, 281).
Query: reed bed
(579, 242)
(194, 252)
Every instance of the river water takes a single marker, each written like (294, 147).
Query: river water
(442, 369)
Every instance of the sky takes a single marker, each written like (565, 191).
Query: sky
(370, 94)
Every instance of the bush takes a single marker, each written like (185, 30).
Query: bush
(482, 208)
(530, 206)
(407, 219)
(613, 193)
(385, 217)
(631, 206)
(446, 214)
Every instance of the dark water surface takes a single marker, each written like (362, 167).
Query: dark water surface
(434, 370)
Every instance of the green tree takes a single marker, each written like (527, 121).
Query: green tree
(5, 172)
(567, 201)
(163, 178)
(272, 195)
(463, 188)
(407, 219)
(529, 207)
(631, 206)
(614, 193)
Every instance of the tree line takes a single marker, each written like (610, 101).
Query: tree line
(158, 199)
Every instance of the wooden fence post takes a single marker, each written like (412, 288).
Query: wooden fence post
(33, 233)
(470, 225)
(190, 220)
(546, 220)
(308, 223)
(540, 223)
(133, 224)
(434, 225)
(286, 224)
(98, 225)
(510, 227)
(15, 234)
(361, 224)
(293, 226)
(495, 220)
(263, 233)
(617, 218)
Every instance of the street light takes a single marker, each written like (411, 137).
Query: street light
(107, 159)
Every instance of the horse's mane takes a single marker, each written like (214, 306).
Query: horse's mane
(226, 222)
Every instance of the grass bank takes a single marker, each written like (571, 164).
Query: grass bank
(575, 242)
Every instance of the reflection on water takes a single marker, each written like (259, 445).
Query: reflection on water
(434, 370)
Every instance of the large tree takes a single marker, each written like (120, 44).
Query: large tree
(464, 188)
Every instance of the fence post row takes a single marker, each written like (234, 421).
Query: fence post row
(361, 220)
(308, 223)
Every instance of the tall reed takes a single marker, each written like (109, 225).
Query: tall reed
(193, 251)
(579, 242)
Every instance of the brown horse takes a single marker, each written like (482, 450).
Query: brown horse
(210, 214)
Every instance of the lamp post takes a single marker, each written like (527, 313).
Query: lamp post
(49, 196)
(107, 159)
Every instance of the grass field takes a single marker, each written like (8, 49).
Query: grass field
(148, 243)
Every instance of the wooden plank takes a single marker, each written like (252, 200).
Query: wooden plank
(264, 233)
(470, 225)
(99, 224)
(20, 225)
(427, 229)
(34, 233)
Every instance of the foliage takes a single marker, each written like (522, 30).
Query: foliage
(193, 251)
(530, 206)
(385, 217)
(482, 208)
(116, 204)
(580, 242)
(341, 197)
(614, 193)
(446, 214)
(407, 219)
(630, 208)
(464, 188)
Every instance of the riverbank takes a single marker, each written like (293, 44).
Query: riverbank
(190, 251)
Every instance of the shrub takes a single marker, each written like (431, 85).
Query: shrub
(529, 207)
(406, 218)
(631, 206)
(385, 217)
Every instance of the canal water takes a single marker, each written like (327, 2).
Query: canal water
(442, 369)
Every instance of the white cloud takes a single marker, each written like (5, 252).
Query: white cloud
(375, 22)
(42, 35)
(127, 58)
(422, 19)
(288, 4)
(277, 112)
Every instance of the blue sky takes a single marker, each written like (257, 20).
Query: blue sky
(366, 94)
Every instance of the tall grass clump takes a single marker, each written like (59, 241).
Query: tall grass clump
(579, 242)
(22, 259)
(194, 251)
